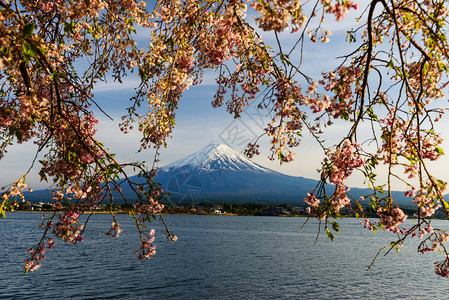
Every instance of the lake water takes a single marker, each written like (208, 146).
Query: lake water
(217, 257)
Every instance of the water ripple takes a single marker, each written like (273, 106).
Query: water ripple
(216, 257)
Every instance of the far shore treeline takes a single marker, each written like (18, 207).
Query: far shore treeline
(241, 209)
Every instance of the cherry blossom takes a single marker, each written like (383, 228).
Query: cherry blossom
(386, 93)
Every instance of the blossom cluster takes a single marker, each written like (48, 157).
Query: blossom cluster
(426, 204)
(432, 244)
(151, 207)
(115, 230)
(37, 254)
(311, 200)
(442, 268)
(147, 249)
(340, 8)
(368, 224)
(402, 139)
(16, 190)
(276, 15)
(391, 218)
(345, 83)
(285, 127)
(340, 198)
(342, 162)
(68, 228)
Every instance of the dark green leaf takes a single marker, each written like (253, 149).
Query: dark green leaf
(29, 50)
(336, 227)
(330, 235)
(69, 27)
(18, 134)
(2, 210)
(43, 176)
(28, 30)
(390, 64)
(439, 150)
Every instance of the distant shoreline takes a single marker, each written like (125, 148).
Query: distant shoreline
(164, 214)
(214, 214)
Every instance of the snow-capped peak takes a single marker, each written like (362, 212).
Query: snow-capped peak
(215, 157)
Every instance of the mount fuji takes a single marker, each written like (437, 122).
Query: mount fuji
(217, 173)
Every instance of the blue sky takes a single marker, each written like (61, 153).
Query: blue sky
(198, 124)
